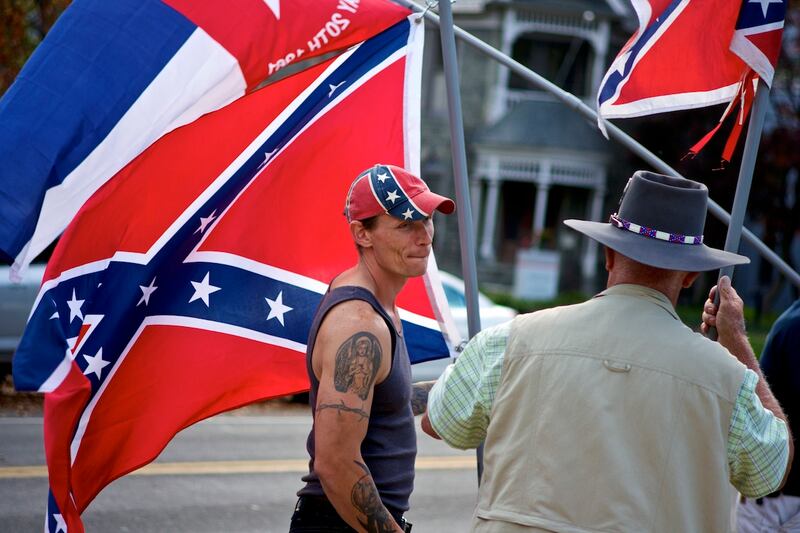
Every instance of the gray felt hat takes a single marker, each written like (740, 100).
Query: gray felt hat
(660, 223)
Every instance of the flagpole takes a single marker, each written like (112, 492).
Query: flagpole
(466, 229)
(458, 152)
(746, 172)
(745, 181)
(614, 133)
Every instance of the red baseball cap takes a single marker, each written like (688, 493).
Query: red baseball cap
(394, 191)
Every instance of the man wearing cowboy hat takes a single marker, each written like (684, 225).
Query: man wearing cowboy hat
(611, 415)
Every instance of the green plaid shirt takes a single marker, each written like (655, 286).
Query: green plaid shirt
(460, 403)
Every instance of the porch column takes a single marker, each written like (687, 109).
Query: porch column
(595, 212)
(539, 212)
(599, 43)
(490, 219)
(475, 196)
(509, 33)
(540, 208)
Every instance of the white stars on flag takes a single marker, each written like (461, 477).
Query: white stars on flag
(277, 309)
(393, 196)
(203, 289)
(383, 177)
(75, 307)
(275, 7)
(146, 292)
(95, 364)
(333, 88)
(765, 4)
(408, 213)
(267, 157)
(622, 61)
(61, 524)
(205, 221)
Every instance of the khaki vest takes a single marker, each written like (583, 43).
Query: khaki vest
(611, 415)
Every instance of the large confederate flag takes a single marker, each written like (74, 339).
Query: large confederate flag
(186, 285)
(112, 76)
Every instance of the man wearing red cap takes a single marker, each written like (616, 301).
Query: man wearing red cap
(363, 443)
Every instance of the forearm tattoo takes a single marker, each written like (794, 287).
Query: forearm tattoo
(419, 396)
(365, 499)
(357, 364)
(342, 408)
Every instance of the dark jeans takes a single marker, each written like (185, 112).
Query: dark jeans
(315, 514)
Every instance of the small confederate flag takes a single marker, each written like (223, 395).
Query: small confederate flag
(688, 54)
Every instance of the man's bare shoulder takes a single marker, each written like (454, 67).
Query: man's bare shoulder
(352, 316)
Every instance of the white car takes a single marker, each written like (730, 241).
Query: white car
(491, 315)
(16, 300)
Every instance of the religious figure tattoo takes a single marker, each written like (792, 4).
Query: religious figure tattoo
(419, 396)
(365, 499)
(342, 408)
(357, 364)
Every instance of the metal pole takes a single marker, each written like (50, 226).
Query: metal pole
(466, 229)
(745, 181)
(746, 173)
(459, 154)
(614, 132)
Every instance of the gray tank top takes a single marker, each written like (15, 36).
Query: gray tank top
(390, 446)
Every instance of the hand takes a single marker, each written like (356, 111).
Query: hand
(728, 316)
(427, 427)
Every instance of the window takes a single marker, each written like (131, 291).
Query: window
(562, 60)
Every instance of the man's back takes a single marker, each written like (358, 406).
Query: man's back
(625, 425)
(780, 362)
(611, 415)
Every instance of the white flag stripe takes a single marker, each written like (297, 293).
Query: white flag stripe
(217, 76)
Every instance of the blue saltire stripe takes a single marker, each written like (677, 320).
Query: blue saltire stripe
(240, 302)
(752, 14)
(95, 62)
(424, 343)
(43, 344)
(610, 88)
(52, 510)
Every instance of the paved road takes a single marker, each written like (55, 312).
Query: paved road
(229, 473)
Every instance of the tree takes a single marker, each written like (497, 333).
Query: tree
(24, 25)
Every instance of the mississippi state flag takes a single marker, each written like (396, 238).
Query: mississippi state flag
(111, 77)
(691, 53)
(186, 285)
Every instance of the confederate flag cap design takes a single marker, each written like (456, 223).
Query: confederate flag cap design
(393, 190)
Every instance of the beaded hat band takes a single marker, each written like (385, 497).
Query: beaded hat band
(676, 238)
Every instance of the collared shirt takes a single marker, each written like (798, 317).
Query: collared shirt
(460, 405)
(780, 362)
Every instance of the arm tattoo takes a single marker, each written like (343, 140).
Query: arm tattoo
(357, 364)
(342, 408)
(419, 396)
(365, 499)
